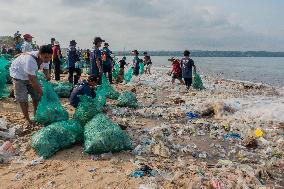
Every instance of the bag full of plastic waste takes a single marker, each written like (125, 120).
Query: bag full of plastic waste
(142, 67)
(127, 99)
(87, 109)
(115, 71)
(197, 82)
(63, 89)
(128, 75)
(57, 136)
(102, 136)
(4, 92)
(107, 89)
(49, 109)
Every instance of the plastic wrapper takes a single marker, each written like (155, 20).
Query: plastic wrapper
(49, 109)
(49, 140)
(87, 109)
(141, 68)
(127, 99)
(4, 92)
(102, 136)
(63, 89)
(106, 89)
(128, 75)
(197, 82)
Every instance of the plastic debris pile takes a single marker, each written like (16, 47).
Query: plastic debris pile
(127, 99)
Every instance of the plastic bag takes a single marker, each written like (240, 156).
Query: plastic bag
(63, 89)
(4, 92)
(57, 136)
(128, 75)
(107, 89)
(87, 109)
(49, 109)
(197, 82)
(102, 135)
(115, 71)
(142, 67)
(127, 99)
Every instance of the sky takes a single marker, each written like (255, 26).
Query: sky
(150, 24)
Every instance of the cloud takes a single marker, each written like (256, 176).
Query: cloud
(147, 24)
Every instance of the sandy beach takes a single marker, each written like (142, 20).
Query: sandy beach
(185, 152)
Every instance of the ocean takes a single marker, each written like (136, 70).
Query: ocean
(268, 70)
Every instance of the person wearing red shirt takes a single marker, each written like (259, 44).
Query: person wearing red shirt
(56, 60)
(176, 70)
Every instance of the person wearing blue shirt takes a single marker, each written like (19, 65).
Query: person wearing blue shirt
(96, 58)
(186, 65)
(85, 88)
(107, 62)
(72, 59)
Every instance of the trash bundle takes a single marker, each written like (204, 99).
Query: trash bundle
(107, 89)
(63, 89)
(87, 109)
(197, 82)
(102, 135)
(127, 99)
(115, 71)
(4, 92)
(142, 67)
(49, 109)
(49, 140)
(128, 75)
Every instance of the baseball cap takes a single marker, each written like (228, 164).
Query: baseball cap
(27, 36)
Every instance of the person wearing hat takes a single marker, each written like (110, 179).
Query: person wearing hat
(85, 88)
(27, 45)
(96, 58)
(107, 62)
(23, 70)
(187, 64)
(72, 59)
(176, 70)
(136, 61)
(56, 54)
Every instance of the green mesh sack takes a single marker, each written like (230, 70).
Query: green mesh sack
(101, 135)
(4, 91)
(87, 109)
(106, 89)
(197, 82)
(127, 99)
(115, 71)
(63, 89)
(49, 109)
(49, 140)
(128, 75)
(142, 67)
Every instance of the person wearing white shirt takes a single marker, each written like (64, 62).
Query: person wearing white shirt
(23, 70)
(27, 45)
